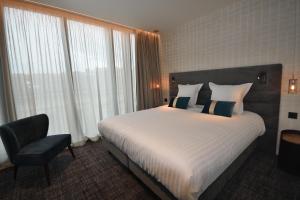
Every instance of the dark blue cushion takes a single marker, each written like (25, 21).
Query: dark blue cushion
(43, 150)
(179, 102)
(222, 108)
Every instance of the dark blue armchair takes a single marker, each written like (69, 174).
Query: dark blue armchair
(26, 142)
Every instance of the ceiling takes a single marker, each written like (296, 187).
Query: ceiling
(149, 15)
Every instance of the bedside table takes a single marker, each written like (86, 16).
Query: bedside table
(289, 151)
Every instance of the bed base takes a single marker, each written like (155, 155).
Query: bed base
(209, 194)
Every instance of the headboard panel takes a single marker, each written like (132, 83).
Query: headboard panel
(263, 97)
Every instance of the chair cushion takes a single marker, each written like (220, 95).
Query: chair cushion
(43, 150)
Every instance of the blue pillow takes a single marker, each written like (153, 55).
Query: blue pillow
(222, 108)
(179, 102)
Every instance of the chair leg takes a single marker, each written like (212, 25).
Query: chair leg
(46, 167)
(15, 172)
(71, 151)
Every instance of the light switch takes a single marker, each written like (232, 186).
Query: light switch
(293, 115)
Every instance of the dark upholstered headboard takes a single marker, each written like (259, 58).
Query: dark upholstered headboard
(263, 97)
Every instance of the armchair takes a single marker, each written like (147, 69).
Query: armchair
(26, 142)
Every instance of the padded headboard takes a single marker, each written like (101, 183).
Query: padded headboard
(263, 97)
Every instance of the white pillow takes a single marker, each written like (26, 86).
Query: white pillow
(234, 93)
(196, 108)
(189, 91)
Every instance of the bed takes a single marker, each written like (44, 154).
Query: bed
(182, 154)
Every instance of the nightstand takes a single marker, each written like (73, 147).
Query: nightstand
(289, 151)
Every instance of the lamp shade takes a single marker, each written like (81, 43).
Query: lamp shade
(292, 86)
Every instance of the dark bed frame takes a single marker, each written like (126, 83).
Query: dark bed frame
(263, 98)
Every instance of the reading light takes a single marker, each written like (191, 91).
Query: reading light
(173, 79)
(262, 77)
(292, 86)
(293, 82)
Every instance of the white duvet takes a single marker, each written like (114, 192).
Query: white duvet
(184, 150)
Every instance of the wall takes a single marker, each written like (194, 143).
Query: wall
(248, 32)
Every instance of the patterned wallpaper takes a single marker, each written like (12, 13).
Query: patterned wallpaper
(248, 32)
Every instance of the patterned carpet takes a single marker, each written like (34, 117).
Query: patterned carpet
(95, 174)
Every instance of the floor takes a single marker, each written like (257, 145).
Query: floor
(95, 174)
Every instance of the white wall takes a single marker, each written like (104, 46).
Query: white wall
(249, 32)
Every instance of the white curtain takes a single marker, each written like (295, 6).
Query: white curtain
(40, 79)
(3, 155)
(124, 50)
(77, 76)
(102, 73)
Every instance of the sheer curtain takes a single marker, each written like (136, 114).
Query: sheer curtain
(38, 66)
(124, 50)
(102, 70)
(3, 155)
(76, 73)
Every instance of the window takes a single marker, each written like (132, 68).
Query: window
(102, 72)
(124, 58)
(38, 66)
(77, 76)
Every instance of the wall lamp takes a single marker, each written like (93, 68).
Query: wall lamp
(292, 86)
(293, 81)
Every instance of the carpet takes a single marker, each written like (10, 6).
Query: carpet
(95, 174)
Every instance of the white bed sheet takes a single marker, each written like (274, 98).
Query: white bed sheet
(185, 151)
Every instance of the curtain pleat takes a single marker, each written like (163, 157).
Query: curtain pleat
(149, 92)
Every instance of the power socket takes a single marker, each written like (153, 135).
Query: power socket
(293, 115)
